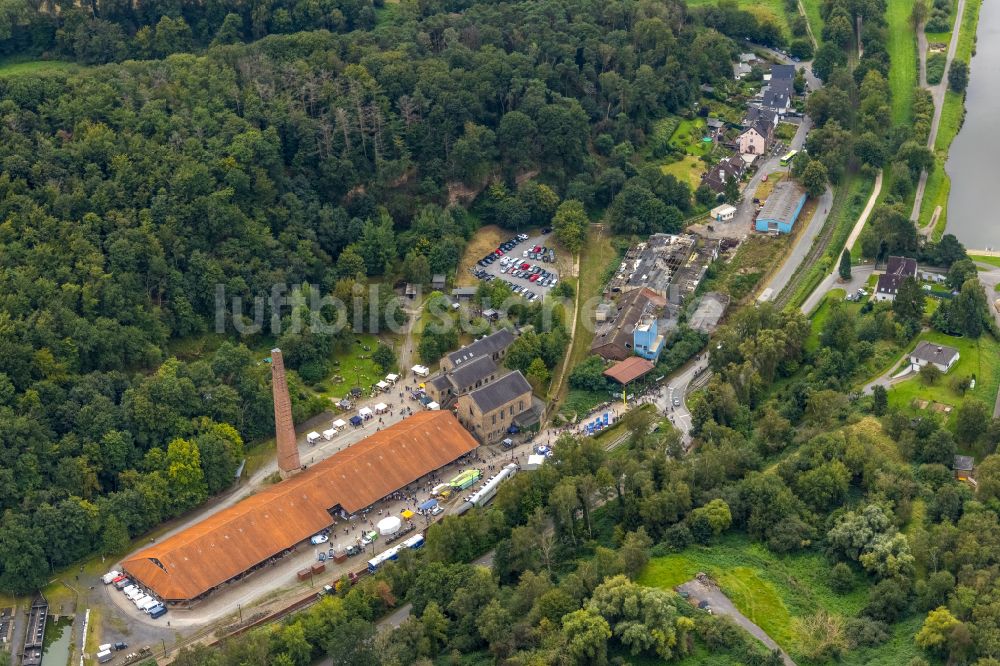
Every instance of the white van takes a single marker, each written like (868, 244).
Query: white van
(110, 576)
(149, 605)
(104, 648)
(128, 589)
(104, 657)
(139, 601)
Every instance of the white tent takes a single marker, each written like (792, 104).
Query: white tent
(382, 385)
(381, 407)
(421, 370)
(389, 525)
(328, 434)
(312, 437)
(433, 406)
(339, 423)
(391, 378)
(364, 411)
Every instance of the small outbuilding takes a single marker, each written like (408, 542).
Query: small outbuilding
(723, 213)
(629, 370)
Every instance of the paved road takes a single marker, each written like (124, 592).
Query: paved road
(938, 93)
(798, 253)
(721, 605)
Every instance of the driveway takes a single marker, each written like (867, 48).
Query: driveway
(721, 605)
(859, 277)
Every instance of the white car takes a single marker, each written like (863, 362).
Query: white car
(437, 510)
(318, 539)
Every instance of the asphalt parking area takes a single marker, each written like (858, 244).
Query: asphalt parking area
(529, 273)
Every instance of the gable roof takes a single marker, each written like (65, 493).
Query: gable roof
(934, 353)
(782, 72)
(778, 94)
(614, 340)
(498, 393)
(469, 373)
(897, 270)
(232, 541)
(629, 370)
(491, 344)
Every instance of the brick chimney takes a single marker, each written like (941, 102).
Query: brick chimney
(284, 428)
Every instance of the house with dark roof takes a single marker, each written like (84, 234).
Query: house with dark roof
(731, 168)
(963, 466)
(929, 353)
(494, 345)
(756, 139)
(897, 270)
(778, 96)
(488, 412)
(782, 72)
(438, 281)
(466, 377)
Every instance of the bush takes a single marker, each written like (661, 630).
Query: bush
(588, 375)
(841, 578)
(935, 67)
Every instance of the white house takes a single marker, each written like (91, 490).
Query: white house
(898, 269)
(929, 353)
(754, 141)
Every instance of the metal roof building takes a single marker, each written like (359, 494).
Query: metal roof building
(782, 208)
(245, 536)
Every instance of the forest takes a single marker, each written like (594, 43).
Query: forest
(131, 191)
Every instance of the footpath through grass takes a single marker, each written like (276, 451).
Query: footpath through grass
(902, 47)
(815, 18)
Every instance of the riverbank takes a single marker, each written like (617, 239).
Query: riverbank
(954, 185)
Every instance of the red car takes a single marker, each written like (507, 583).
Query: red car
(533, 277)
(525, 266)
(498, 252)
(538, 248)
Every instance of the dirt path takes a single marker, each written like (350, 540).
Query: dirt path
(809, 29)
(572, 337)
(721, 605)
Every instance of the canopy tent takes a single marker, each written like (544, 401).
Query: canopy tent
(381, 407)
(312, 437)
(328, 434)
(406, 514)
(355, 420)
(383, 385)
(421, 370)
(433, 406)
(535, 461)
(364, 411)
(339, 423)
(428, 505)
(391, 378)
(389, 525)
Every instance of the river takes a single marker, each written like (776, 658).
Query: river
(974, 159)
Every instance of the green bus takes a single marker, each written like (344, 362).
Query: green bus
(787, 158)
(465, 479)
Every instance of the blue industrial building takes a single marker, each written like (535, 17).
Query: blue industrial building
(782, 208)
(646, 340)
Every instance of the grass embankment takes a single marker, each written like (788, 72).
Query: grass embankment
(979, 358)
(849, 201)
(952, 114)
(812, 8)
(986, 259)
(595, 258)
(902, 46)
(485, 239)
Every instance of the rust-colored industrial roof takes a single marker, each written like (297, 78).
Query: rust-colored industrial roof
(235, 539)
(629, 370)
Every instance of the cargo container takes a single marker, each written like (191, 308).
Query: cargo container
(304, 574)
(318, 568)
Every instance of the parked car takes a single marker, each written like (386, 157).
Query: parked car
(318, 539)
(546, 230)
(120, 645)
(677, 402)
(437, 510)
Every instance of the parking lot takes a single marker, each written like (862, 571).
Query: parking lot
(525, 263)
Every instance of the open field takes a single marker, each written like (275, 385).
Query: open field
(936, 194)
(902, 47)
(769, 589)
(754, 258)
(980, 358)
(687, 170)
(354, 367)
(773, 9)
(16, 67)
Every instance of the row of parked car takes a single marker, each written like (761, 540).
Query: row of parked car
(521, 290)
(503, 249)
(540, 252)
(525, 271)
(144, 602)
